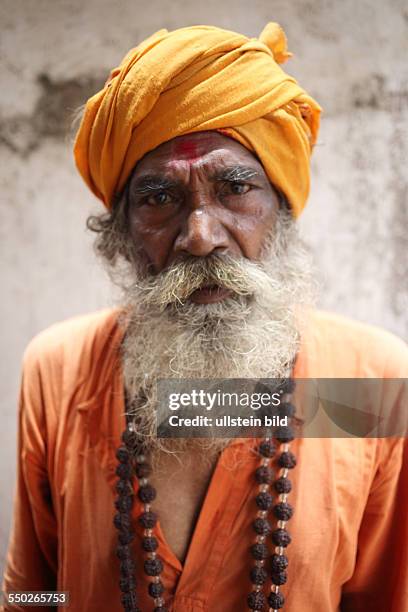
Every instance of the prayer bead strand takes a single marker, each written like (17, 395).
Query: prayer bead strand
(264, 475)
(153, 566)
(123, 522)
(282, 511)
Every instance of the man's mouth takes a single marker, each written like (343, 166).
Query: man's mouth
(209, 294)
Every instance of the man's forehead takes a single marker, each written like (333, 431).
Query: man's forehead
(197, 148)
(194, 146)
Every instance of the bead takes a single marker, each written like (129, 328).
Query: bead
(264, 500)
(258, 575)
(281, 537)
(143, 470)
(262, 526)
(259, 551)
(287, 386)
(147, 494)
(264, 475)
(149, 544)
(283, 511)
(123, 552)
(124, 503)
(124, 470)
(256, 600)
(156, 589)
(286, 409)
(129, 438)
(276, 600)
(122, 486)
(127, 584)
(153, 567)
(279, 578)
(267, 448)
(125, 537)
(122, 454)
(127, 567)
(284, 434)
(279, 563)
(287, 460)
(129, 600)
(148, 520)
(122, 520)
(283, 485)
(141, 459)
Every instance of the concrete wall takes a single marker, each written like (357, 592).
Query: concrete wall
(351, 56)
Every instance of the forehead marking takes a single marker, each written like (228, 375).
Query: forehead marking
(188, 148)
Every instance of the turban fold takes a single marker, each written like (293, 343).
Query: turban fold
(194, 79)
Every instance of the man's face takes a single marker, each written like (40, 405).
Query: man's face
(198, 195)
(202, 213)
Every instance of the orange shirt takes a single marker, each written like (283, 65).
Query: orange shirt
(349, 530)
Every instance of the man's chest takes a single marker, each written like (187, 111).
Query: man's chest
(181, 483)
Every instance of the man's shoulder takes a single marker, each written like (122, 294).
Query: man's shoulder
(340, 327)
(352, 348)
(70, 340)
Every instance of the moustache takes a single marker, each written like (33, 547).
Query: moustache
(176, 283)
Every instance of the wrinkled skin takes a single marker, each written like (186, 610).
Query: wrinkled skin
(197, 195)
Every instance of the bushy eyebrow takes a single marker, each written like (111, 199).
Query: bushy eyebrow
(150, 183)
(236, 174)
(158, 182)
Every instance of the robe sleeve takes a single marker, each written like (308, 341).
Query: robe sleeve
(31, 562)
(380, 578)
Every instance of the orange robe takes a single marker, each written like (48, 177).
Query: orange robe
(349, 530)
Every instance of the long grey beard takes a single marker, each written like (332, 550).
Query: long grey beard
(253, 334)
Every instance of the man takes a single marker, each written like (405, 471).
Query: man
(199, 147)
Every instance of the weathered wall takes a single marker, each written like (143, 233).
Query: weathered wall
(350, 55)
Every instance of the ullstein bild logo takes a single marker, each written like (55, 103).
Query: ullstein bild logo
(227, 421)
(231, 408)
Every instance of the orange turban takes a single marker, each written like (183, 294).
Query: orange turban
(194, 79)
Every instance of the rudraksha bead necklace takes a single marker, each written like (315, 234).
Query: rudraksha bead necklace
(132, 462)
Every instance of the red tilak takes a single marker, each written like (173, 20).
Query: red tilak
(188, 148)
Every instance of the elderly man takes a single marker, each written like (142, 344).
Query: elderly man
(199, 146)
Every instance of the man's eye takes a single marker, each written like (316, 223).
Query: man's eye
(237, 188)
(159, 199)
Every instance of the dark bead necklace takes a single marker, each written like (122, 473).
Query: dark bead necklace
(132, 462)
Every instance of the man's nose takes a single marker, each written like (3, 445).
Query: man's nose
(201, 235)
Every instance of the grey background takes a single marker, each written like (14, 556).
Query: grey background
(351, 56)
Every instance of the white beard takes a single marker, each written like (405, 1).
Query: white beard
(254, 336)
